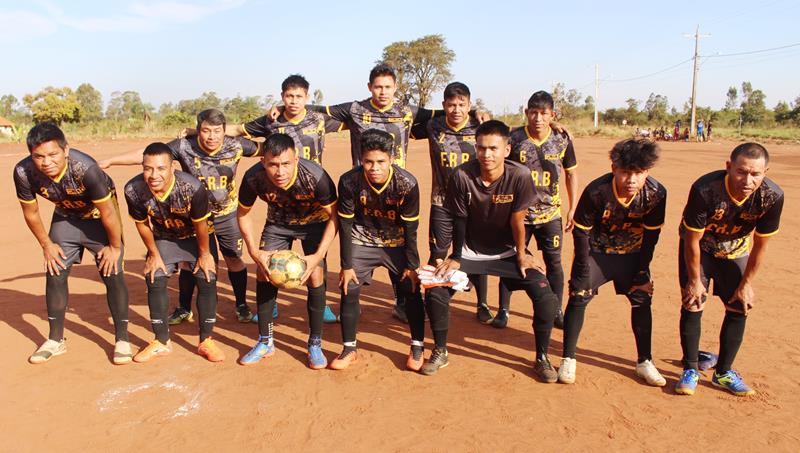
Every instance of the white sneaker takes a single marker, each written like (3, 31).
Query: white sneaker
(566, 372)
(48, 350)
(647, 371)
(123, 354)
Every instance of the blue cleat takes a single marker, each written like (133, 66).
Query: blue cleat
(687, 382)
(707, 360)
(259, 351)
(328, 317)
(732, 382)
(316, 359)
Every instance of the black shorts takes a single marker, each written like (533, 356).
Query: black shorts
(726, 273)
(367, 259)
(620, 269)
(281, 237)
(506, 268)
(226, 228)
(548, 236)
(440, 232)
(76, 235)
(176, 251)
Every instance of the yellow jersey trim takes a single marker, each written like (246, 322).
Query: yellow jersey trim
(696, 230)
(244, 132)
(329, 204)
(104, 198)
(766, 235)
(372, 103)
(27, 201)
(410, 219)
(385, 184)
(648, 227)
(305, 112)
(571, 168)
(63, 172)
(137, 220)
(210, 153)
(535, 142)
(733, 199)
(242, 205)
(345, 216)
(583, 227)
(459, 127)
(202, 218)
(294, 177)
(617, 197)
(167, 192)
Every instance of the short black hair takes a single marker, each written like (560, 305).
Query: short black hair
(157, 149)
(456, 89)
(750, 150)
(277, 144)
(635, 154)
(213, 117)
(294, 81)
(493, 127)
(541, 100)
(377, 140)
(43, 133)
(382, 69)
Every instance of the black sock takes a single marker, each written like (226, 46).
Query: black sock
(117, 298)
(503, 296)
(481, 284)
(316, 309)
(415, 311)
(730, 338)
(206, 304)
(642, 324)
(266, 293)
(544, 303)
(437, 304)
(573, 323)
(690, 337)
(239, 282)
(158, 302)
(185, 289)
(56, 295)
(440, 339)
(350, 314)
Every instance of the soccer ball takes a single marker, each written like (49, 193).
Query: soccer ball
(285, 269)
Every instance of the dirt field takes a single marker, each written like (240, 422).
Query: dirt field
(486, 400)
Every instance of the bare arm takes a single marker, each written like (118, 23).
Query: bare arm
(260, 257)
(109, 216)
(153, 262)
(205, 261)
(53, 254)
(130, 158)
(745, 291)
(524, 260)
(331, 228)
(694, 293)
(571, 182)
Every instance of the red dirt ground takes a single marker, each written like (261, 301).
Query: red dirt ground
(486, 400)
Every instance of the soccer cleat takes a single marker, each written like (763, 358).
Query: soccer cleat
(688, 382)
(647, 371)
(209, 349)
(732, 382)
(484, 315)
(347, 357)
(47, 351)
(328, 317)
(154, 349)
(399, 312)
(122, 353)
(180, 315)
(439, 359)
(566, 372)
(259, 351)
(706, 360)
(545, 371)
(500, 320)
(243, 313)
(558, 321)
(415, 358)
(316, 359)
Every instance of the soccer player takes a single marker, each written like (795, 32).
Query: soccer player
(488, 199)
(213, 158)
(378, 217)
(727, 210)
(617, 223)
(171, 211)
(301, 200)
(86, 216)
(546, 154)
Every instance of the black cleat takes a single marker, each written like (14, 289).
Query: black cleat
(484, 315)
(500, 320)
(438, 360)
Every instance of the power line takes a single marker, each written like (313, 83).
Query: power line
(752, 51)
(651, 74)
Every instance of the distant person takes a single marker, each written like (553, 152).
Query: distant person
(708, 132)
(686, 134)
(700, 136)
(676, 133)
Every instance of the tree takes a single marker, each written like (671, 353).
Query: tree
(567, 102)
(207, 100)
(318, 97)
(754, 109)
(58, 105)
(588, 105)
(128, 105)
(656, 107)
(732, 101)
(241, 109)
(90, 103)
(422, 66)
(8, 105)
(783, 114)
(478, 104)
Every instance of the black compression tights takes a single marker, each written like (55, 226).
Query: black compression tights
(117, 298)
(206, 304)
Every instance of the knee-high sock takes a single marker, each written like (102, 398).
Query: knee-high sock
(185, 289)
(56, 295)
(544, 311)
(481, 284)
(239, 283)
(266, 293)
(690, 337)
(573, 323)
(642, 324)
(117, 298)
(730, 338)
(158, 301)
(350, 314)
(316, 309)
(437, 304)
(503, 296)
(415, 311)
(206, 304)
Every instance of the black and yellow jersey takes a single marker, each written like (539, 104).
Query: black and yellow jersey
(308, 132)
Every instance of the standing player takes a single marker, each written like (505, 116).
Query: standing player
(301, 199)
(545, 154)
(171, 211)
(724, 208)
(212, 158)
(86, 217)
(378, 216)
(617, 223)
(487, 200)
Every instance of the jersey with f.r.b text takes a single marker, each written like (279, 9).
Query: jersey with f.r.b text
(171, 215)
(727, 223)
(216, 168)
(545, 160)
(450, 146)
(396, 119)
(616, 226)
(379, 213)
(488, 209)
(301, 202)
(75, 191)
(307, 132)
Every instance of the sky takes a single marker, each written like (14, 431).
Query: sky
(505, 50)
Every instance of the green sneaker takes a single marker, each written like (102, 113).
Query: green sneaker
(180, 315)
(732, 382)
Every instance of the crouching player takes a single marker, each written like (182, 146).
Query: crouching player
(488, 199)
(617, 223)
(301, 199)
(378, 217)
(171, 212)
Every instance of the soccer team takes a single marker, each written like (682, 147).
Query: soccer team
(493, 189)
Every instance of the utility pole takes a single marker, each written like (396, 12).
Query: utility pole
(697, 36)
(596, 91)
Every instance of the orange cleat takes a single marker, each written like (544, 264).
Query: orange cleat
(344, 360)
(209, 349)
(154, 349)
(415, 358)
